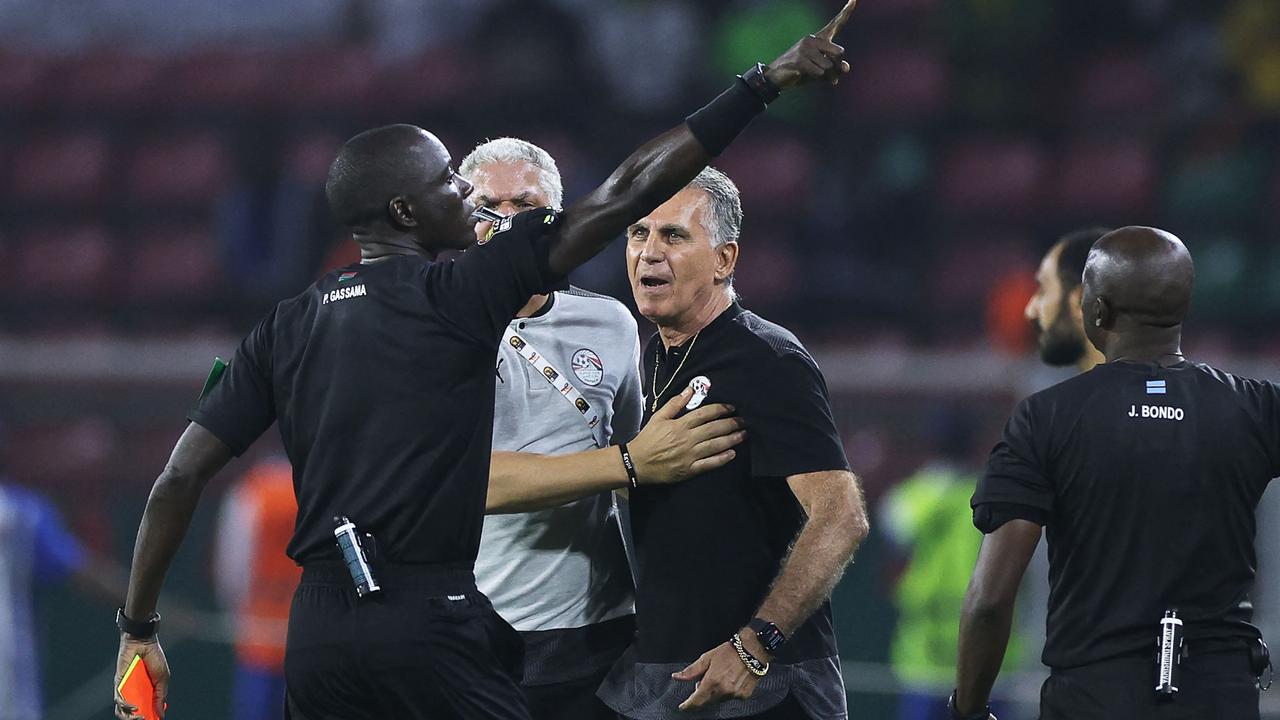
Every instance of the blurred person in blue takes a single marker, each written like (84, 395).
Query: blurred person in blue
(927, 517)
(552, 558)
(37, 549)
(380, 376)
(1145, 472)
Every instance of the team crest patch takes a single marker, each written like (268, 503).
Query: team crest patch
(588, 366)
(701, 388)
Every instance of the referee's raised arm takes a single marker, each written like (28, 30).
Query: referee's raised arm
(664, 165)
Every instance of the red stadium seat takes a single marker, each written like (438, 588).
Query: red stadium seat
(183, 169)
(24, 80)
(998, 176)
(107, 81)
(61, 169)
(62, 456)
(329, 79)
(1100, 180)
(62, 262)
(173, 263)
(767, 269)
(1114, 86)
(773, 174)
(900, 83)
(307, 160)
(432, 79)
(223, 79)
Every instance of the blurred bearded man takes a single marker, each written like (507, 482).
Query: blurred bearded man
(1055, 310)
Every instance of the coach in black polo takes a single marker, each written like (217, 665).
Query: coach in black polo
(736, 565)
(1145, 472)
(380, 376)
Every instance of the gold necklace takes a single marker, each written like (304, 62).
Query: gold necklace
(657, 363)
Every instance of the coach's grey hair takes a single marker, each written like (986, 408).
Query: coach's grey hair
(726, 210)
(726, 205)
(513, 150)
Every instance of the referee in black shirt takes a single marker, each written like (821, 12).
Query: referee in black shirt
(1145, 472)
(380, 377)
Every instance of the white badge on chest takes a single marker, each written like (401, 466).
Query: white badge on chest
(701, 386)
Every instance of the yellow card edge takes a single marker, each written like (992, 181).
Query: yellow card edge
(127, 673)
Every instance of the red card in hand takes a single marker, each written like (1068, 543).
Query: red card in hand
(137, 689)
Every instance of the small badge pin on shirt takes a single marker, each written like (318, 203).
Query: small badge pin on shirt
(701, 386)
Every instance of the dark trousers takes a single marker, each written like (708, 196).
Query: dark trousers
(1212, 686)
(788, 709)
(429, 645)
(569, 700)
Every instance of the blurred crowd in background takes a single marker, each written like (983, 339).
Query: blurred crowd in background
(161, 186)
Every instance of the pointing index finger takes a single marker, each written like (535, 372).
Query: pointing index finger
(832, 28)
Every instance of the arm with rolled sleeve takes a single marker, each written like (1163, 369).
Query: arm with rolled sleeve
(793, 436)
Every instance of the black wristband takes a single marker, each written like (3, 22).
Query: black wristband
(955, 713)
(629, 465)
(720, 121)
(135, 628)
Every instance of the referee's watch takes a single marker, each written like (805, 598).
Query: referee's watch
(759, 84)
(141, 630)
(770, 637)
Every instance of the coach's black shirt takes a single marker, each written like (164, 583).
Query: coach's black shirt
(1146, 479)
(381, 377)
(709, 548)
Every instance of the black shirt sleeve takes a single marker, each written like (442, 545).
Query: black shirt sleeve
(241, 406)
(1269, 411)
(789, 421)
(1016, 483)
(482, 290)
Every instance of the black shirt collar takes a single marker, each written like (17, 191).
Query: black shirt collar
(721, 321)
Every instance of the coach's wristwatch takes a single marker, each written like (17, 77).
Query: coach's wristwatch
(770, 637)
(134, 628)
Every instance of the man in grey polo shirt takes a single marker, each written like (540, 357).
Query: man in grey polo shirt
(567, 382)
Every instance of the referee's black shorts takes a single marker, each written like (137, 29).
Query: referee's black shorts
(429, 645)
(1213, 685)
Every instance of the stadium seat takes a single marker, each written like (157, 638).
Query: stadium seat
(23, 80)
(896, 84)
(109, 81)
(308, 158)
(1113, 87)
(1102, 180)
(223, 80)
(61, 262)
(432, 79)
(183, 169)
(57, 170)
(773, 174)
(328, 79)
(767, 269)
(64, 456)
(173, 263)
(993, 176)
